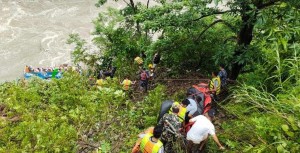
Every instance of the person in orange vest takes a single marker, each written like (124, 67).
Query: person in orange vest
(26, 70)
(136, 147)
(150, 143)
(127, 83)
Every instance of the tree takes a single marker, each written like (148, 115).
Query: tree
(249, 11)
(178, 15)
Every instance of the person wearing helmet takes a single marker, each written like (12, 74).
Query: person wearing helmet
(182, 109)
(151, 71)
(150, 66)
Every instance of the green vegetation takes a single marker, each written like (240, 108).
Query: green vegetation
(258, 40)
(65, 115)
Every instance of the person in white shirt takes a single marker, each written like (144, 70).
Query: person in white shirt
(198, 134)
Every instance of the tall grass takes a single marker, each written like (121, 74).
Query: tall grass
(265, 117)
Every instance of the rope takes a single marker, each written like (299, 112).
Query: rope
(182, 80)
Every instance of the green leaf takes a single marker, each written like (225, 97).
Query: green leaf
(291, 119)
(284, 43)
(283, 4)
(285, 127)
(280, 149)
(291, 134)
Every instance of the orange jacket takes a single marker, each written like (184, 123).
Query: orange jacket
(136, 147)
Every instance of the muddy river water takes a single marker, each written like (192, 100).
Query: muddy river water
(34, 32)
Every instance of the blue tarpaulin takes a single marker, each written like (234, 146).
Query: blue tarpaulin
(43, 75)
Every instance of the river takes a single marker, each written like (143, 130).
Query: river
(34, 32)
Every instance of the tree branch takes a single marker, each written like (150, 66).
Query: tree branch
(231, 27)
(212, 24)
(148, 3)
(212, 13)
(132, 5)
(126, 3)
(264, 5)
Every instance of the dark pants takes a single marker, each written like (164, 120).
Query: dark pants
(168, 144)
(195, 148)
(144, 85)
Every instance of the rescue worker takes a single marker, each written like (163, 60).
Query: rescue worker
(156, 59)
(150, 143)
(111, 72)
(172, 125)
(136, 147)
(100, 82)
(26, 70)
(144, 76)
(151, 69)
(182, 109)
(192, 108)
(126, 84)
(197, 136)
(223, 76)
(139, 61)
(215, 84)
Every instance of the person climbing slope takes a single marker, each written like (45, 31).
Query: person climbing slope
(192, 108)
(136, 147)
(172, 125)
(197, 136)
(151, 143)
(215, 84)
(139, 61)
(182, 109)
(156, 59)
(223, 76)
(144, 77)
(126, 84)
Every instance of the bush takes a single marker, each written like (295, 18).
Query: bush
(42, 115)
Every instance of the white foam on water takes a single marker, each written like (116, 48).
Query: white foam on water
(50, 36)
(34, 32)
(41, 61)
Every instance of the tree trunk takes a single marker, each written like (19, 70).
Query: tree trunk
(134, 7)
(244, 39)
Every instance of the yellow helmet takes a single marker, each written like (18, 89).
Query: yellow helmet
(150, 66)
